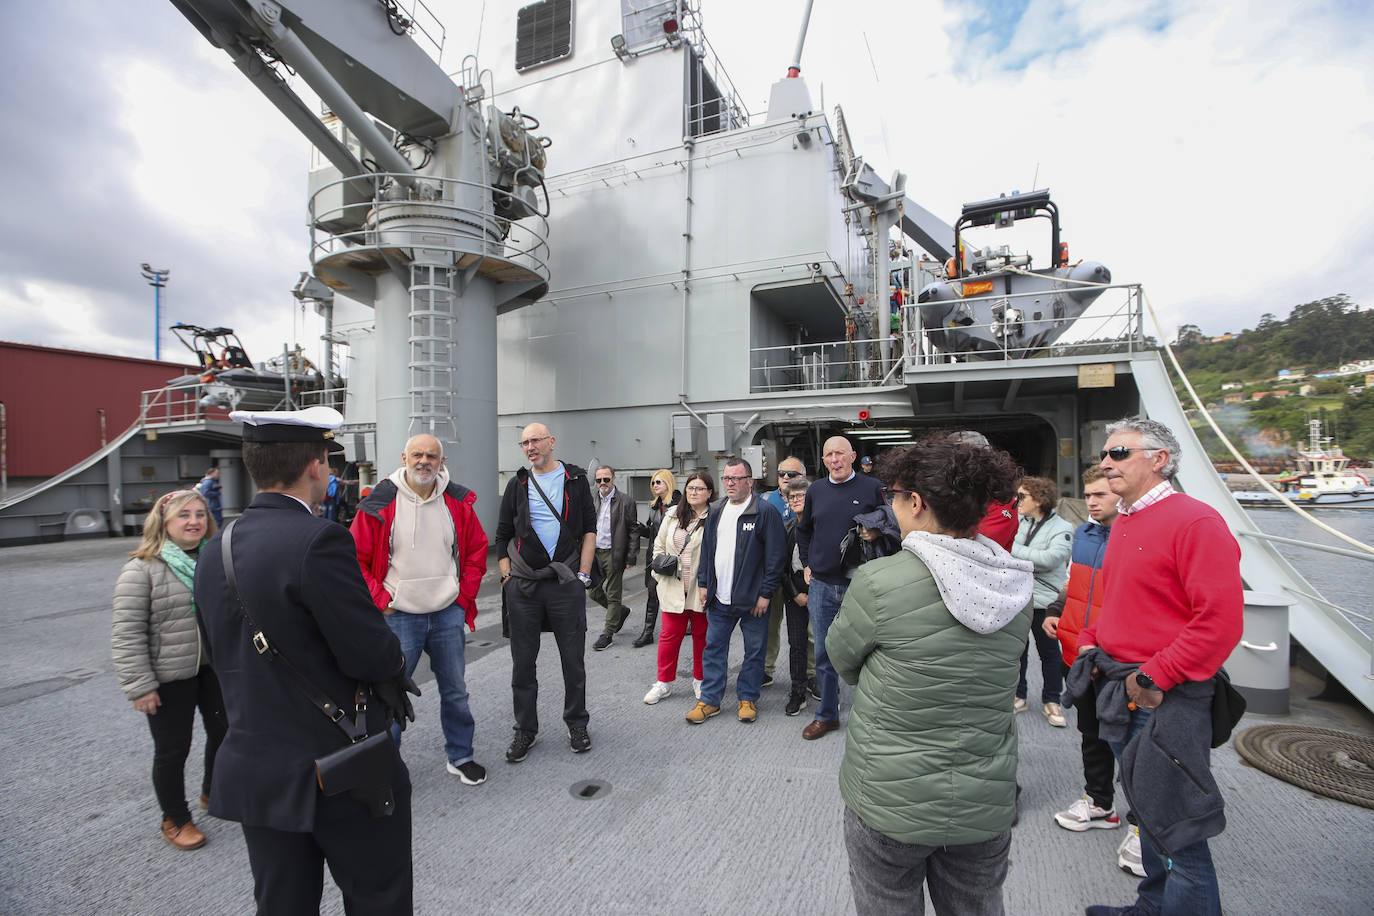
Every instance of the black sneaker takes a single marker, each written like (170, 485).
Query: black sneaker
(470, 773)
(767, 680)
(602, 642)
(578, 739)
(519, 746)
(813, 689)
(796, 702)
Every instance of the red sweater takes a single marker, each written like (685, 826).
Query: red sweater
(1000, 523)
(1173, 599)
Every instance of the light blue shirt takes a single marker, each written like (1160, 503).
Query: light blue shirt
(547, 525)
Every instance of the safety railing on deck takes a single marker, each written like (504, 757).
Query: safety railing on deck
(813, 366)
(389, 210)
(1112, 324)
(170, 405)
(1360, 621)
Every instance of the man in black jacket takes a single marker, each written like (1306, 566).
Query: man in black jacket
(546, 529)
(617, 546)
(298, 578)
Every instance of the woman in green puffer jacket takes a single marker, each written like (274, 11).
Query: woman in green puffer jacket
(932, 636)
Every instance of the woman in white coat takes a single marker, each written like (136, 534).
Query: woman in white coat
(679, 599)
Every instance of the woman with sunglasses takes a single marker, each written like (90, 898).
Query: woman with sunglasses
(666, 495)
(1046, 540)
(678, 595)
(158, 656)
(931, 636)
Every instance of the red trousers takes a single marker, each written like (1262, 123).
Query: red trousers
(673, 629)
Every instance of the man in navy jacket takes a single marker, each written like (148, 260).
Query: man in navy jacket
(743, 549)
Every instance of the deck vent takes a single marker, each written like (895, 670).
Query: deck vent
(543, 33)
(590, 789)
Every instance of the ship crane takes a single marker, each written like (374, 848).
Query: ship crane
(428, 203)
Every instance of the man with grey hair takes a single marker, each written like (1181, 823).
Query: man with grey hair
(790, 469)
(617, 546)
(1171, 614)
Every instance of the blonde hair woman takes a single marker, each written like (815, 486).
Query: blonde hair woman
(158, 657)
(666, 495)
(678, 596)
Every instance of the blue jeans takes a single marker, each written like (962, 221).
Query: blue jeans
(1185, 885)
(441, 635)
(720, 623)
(823, 601)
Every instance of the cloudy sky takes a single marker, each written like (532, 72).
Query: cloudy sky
(1220, 154)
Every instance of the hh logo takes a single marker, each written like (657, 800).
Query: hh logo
(747, 526)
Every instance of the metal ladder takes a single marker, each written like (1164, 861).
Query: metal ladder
(432, 371)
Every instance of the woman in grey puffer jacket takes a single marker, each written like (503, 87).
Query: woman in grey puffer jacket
(158, 658)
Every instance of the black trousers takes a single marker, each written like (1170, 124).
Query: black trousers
(1051, 662)
(369, 858)
(1098, 760)
(172, 727)
(563, 608)
(798, 619)
(651, 594)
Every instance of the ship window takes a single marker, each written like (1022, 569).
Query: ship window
(543, 33)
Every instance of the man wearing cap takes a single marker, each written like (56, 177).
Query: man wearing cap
(545, 547)
(323, 644)
(423, 554)
(866, 464)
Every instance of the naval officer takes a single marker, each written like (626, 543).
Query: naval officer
(299, 581)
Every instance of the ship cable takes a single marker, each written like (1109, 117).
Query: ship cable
(1206, 415)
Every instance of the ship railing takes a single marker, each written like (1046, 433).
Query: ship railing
(1362, 622)
(175, 404)
(379, 211)
(422, 25)
(323, 397)
(723, 111)
(815, 366)
(1114, 323)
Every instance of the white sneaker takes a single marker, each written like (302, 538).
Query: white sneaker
(657, 692)
(696, 688)
(1019, 705)
(1128, 853)
(1084, 815)
(1055, 714)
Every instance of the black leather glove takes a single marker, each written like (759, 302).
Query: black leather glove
(392, 693)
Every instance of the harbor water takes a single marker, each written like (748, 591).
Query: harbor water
(1343, 581)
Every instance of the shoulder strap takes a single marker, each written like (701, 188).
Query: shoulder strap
(556, 514)
(355, 730)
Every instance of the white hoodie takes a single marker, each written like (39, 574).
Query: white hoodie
(983, 586)
(422, 575)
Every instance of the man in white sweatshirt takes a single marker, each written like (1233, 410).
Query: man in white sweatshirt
(423, 554)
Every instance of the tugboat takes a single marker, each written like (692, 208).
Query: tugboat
(1323, 477)
(228, 378)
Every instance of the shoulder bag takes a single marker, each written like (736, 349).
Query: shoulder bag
(666, 564)
(363, 767)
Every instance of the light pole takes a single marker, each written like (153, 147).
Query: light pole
(157, 279)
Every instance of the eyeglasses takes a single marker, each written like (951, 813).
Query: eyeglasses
(890, 492)
(603, 480)
(729, 479)
(1023, 496)
(1120, 452)
(526, 443)
(790, 474)
(698, 489)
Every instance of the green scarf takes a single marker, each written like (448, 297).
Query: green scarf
(183, 565)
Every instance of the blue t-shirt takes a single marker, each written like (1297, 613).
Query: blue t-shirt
(546, 524)
(779, 502)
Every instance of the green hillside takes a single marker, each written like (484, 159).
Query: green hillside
(1316, 337)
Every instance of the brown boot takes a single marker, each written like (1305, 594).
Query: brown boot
(187, 836)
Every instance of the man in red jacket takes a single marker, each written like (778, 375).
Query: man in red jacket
(1173, 606)
(423, 553)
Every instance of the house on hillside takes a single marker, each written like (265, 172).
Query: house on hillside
(1232, 386)
(1234, 397)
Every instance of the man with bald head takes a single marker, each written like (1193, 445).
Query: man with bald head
(545, 547)
(831, 504)
(423, 553)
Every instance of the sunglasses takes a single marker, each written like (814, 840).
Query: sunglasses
(790, 474)
(603, 480)
(1120, 452)
(1023, 496)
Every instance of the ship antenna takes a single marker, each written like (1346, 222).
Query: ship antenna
(794, 71)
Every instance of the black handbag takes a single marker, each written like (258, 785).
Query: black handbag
(666, 564)
(363, 768)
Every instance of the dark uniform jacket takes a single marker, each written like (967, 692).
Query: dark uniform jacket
(299, 577)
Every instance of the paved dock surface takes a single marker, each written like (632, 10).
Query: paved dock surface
(711, 819)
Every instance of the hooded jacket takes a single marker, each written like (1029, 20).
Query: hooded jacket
(931, 636)
(372, 533)
(578, 512)
(1047, 543)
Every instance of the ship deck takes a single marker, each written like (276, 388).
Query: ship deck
(719, 818)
